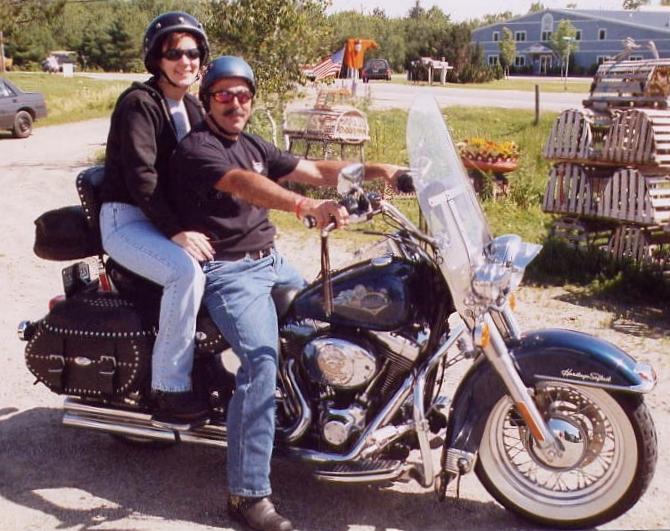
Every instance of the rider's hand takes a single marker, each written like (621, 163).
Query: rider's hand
(390, 173)
(325, 212)
(196, 244)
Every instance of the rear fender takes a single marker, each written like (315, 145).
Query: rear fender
(551, 354)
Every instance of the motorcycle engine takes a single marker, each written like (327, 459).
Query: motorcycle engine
(352, 376)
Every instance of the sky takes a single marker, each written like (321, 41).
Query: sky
(461, 10)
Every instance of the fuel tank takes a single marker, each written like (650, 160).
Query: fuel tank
(384, 293)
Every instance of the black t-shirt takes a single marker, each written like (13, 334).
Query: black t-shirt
(200, 160)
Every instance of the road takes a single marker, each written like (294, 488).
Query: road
(386, 95)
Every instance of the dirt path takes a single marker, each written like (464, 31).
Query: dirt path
(57, 478)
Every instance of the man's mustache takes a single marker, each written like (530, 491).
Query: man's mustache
(234, 112)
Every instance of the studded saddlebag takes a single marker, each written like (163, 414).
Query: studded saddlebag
(93, 344)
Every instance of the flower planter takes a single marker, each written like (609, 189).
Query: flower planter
(501, 166)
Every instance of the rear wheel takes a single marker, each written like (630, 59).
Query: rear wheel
(23, 124)
(609, 458)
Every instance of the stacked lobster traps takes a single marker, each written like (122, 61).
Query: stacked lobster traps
(331, 129)
(610, 180)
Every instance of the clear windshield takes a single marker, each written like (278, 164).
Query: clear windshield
(447, 199)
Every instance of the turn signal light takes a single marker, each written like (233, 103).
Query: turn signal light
(482, 335)
(512, 301)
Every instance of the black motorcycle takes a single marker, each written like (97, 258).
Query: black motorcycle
(553, 422)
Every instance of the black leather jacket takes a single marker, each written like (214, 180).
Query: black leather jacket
(141, 140)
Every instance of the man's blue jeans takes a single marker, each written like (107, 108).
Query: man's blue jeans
(238, 297)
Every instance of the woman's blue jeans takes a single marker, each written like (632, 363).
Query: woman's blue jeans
(238, 297)
(135, 243)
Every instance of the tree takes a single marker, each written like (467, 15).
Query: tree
(276, 37)
(535, 7)
(487, 20)
(634, 4)
(507, 50)
(564, 43)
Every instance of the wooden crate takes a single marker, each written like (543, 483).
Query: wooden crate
(633, 197)
(331, 124)
(627, 196)
(630, 84)
(568, 191)
(638, 136)
(571, 135)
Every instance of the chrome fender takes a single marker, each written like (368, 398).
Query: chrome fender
(549, 354)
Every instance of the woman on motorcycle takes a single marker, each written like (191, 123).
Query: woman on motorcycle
(139, 228)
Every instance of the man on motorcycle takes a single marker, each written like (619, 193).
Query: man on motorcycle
(222, 183)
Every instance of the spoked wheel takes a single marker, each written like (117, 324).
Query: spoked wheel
(609, 456)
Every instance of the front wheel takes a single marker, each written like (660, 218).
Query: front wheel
(610, 451)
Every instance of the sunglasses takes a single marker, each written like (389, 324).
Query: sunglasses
(227, 96)
(174, 54)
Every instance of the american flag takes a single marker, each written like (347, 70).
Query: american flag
(330, 66)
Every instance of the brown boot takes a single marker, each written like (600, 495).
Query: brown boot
(257, 513)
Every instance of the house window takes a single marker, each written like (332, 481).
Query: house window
(578, 35)
(635, 58)
(520, 60)
(496, 36)
(519, 36)
(493, 60)
(602, 34)
(547, 22)
(546, 35)
(603, 58)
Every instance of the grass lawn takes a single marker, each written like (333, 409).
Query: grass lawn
(70, 99)
(578, 86)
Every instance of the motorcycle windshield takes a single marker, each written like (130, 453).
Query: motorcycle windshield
(446, 197)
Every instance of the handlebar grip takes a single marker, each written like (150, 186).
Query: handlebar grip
(309, 222)
(405, 183)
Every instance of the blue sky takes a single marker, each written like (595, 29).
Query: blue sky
(462, 10)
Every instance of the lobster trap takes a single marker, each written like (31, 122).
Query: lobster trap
(610, 181)
(331, 129)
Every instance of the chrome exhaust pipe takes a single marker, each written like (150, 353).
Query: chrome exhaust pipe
(136, 424)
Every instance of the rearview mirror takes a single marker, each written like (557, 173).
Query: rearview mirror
(350, 178)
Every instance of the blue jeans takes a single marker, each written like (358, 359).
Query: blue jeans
(135, 243)
(238, 297)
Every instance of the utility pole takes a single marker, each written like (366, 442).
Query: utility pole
(2, 53)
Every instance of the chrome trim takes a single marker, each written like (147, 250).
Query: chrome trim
(642, 388)
(501, 360)
(401, 469)
(459, 462)
(426, 472)
(136, 424)
(304, 415)
(511, 321)
(22, 328)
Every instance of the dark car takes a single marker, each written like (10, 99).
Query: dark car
(18, 109)
(376, 69)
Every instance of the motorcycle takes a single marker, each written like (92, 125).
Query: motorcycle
(553, 422)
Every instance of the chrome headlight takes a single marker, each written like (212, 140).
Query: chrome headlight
(506, 259)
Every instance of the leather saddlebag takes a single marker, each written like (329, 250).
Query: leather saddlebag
(94, 345)
(64, 234)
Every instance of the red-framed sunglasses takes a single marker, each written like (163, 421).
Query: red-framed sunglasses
(227, 96)
(174, 54)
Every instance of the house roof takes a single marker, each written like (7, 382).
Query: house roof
(658, 19)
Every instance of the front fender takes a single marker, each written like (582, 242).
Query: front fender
(551, 354)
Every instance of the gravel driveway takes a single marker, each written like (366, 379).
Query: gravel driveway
(57, 478)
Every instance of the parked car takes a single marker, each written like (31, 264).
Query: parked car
(18, 109)
(376, 69)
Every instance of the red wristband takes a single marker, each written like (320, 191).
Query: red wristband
(298, 206)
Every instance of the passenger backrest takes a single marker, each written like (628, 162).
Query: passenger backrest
(88, 188)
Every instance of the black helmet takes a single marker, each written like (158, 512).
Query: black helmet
(225, 66)
(167, 23)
